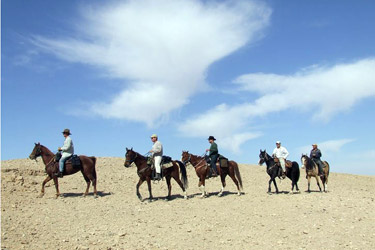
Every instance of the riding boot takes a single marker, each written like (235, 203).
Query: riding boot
(59, 174)
(157, 177)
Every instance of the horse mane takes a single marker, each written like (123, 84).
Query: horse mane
(47, 151)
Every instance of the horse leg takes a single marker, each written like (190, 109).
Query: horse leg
(137, 188)
(90, 178)
(202, 185)
(317, 182)
(236, 182)
(308, 183)
(149, 189)
(168, 179)
(223, 184)
(56, 181)
(43, 184)
(269, 185)
(274, 183)
(179, 182)
(87, 186)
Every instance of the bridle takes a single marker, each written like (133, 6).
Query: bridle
(132, 160)
(38, 152)
(189, 160)
(263, 159)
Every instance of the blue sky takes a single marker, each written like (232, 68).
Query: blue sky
(247, 72)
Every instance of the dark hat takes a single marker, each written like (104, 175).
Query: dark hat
(211, 138)
(66, 131)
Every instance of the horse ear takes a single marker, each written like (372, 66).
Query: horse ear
(131, 149)
(127, 149)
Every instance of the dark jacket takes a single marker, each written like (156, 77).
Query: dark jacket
(213, 150)
(315, 154)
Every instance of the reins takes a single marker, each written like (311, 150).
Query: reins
(189, 160)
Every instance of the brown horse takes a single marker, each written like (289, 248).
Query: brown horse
(202, 170)
(312, 170)
(144, 172)
(87, 168)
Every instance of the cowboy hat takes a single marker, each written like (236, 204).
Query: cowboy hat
(278, 142)
(66, 131)
(211, 138)
(154, 135)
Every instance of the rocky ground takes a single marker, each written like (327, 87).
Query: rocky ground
(343, 218)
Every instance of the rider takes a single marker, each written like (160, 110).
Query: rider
(157, 153)
(67, 151)
(281, 153)
(214, 154)
(315, 155)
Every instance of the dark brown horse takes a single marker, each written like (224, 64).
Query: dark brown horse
(312, 170)
(144, 172)
(87, 168)
(202, 170)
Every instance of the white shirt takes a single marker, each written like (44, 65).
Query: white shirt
(68, 148)
(157, 149)
(280, 152)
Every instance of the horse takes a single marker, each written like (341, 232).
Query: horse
(87, 168)
(202, 170)
(312, 170)
(273, 171)
(144, 172)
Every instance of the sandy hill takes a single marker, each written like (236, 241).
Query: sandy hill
(342, 218)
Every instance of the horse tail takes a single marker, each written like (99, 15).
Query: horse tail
(184, 178)
(93, 158)
(326, 178)
(296, 167)
(237, 174)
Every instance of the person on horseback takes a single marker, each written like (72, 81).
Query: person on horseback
(281, 153)
(157, 153)
(315, 155)
(67, 150)
(213, 155)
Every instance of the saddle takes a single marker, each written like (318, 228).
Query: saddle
(166, 162)
(221, 162)
(73, 159)
(288, 163)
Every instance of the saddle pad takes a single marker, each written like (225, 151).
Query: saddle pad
(223, 162)
(167, 165)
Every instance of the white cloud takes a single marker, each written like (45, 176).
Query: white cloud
(331, 146)
(323, 91)
(162, 49)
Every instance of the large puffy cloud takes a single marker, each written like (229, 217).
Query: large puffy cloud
(321, 90)
(162, 49)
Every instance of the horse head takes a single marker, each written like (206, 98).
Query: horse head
(37, 151)
(263, 157)
(305, 160)
(130, 157)
(185, 158)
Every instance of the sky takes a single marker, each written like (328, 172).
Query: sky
(247, 72)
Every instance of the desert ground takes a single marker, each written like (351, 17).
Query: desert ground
(342, 218)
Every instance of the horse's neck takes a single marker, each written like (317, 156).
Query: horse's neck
(47, 155)
(140, 161)
(270, 161)
(194, 159)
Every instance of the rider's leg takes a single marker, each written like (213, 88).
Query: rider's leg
(157, 161)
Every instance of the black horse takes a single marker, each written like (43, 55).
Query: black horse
(273, 170)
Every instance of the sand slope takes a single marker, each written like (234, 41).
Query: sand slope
(341, 218)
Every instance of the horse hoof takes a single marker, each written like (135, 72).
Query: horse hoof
(220, 194)
(185, 197)
(96, 196)
(239, 193)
